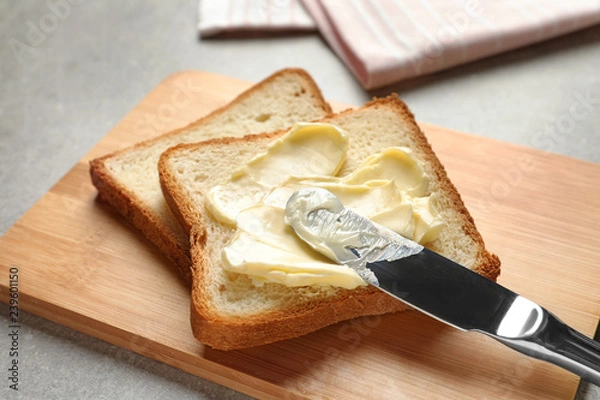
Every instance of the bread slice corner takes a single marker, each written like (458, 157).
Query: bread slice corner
(128, 179)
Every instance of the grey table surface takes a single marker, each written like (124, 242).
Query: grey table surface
(65, 86)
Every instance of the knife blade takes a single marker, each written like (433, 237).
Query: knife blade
(437, 285)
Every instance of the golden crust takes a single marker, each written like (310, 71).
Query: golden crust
(141, 217)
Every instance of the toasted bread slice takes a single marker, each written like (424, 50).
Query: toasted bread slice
(228, 311)
(128, 179)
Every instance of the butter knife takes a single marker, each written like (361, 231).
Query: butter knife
(438, 286)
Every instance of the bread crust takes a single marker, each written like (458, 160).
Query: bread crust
(141, 215)
(226, 332)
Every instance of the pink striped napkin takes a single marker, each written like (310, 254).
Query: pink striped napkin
(223, 16)
(386, 41)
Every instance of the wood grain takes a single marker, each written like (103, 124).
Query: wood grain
(83, 266)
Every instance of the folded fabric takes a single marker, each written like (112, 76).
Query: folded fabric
(387, 41)
(221, 16)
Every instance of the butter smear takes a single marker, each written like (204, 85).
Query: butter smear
(389, 187)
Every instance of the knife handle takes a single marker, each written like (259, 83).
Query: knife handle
(561, 345)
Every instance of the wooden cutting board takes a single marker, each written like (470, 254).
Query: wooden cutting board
(80, 264)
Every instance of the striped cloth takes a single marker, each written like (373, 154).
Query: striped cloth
(223, 16)
(386, 41)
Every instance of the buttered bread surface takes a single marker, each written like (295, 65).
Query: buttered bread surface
(228, 309)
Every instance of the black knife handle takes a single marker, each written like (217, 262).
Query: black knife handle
(561, 345)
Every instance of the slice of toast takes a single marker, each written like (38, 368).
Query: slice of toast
(228, 311)
(128, 179)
